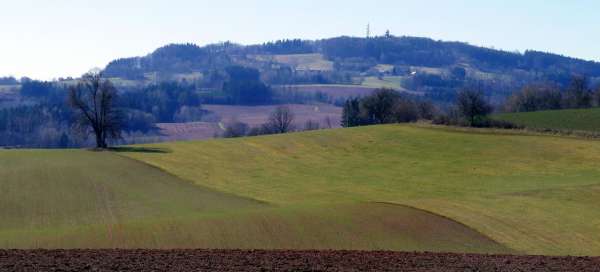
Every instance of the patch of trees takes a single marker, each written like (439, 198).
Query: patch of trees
(244, 87)
(44, 119)
(37, 126)
(427, 52)
(8, 81)
(165, 102)
(384, 106)
(550, 96)
(471, 108)
(171, 59)
(41, 89)
(284, 47)
(391, 50)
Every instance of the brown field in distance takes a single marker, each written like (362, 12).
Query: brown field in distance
(221, 115)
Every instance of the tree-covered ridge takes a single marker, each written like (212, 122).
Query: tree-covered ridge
(408, 51)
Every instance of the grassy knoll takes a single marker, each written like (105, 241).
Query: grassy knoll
(534, 194)
(570, 120)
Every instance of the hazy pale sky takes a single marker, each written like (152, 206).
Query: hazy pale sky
(57, 38)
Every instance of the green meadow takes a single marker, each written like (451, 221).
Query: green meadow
(567, 120)
(395, 187)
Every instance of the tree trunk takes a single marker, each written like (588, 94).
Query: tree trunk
(100, 141)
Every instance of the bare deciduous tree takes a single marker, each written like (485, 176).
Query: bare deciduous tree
(94, 99)
(471, 104)
(281, 120)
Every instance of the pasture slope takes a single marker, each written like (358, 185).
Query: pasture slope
(585, 120)
(393, 187)
(84, 199)
(533, 194)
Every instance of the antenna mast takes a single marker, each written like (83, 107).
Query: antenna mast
(368, 30)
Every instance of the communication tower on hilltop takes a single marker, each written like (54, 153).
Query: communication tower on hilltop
(368, 30)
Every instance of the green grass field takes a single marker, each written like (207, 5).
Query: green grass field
(392, 82)
(398, 187)
(84, 199)
(534, 194)
(570, 120)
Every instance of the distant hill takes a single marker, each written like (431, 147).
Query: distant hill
(420, 64)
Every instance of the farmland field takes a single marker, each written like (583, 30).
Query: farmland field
(331, 90)
(574, 120)
(280, 260)
(84, 199)
(393, 187)
(223, 115)
(390, 82)
(301, 62)
(534, 194)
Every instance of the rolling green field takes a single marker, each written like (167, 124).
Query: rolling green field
(533, 194)
(571, 120)
(397, 187)
(84, 199)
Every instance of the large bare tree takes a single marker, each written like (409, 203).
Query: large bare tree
(94, 99)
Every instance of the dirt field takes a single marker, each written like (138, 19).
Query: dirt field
(333, 91)
(188, 131)
(257, 115)
(251, 115)
(258, 260)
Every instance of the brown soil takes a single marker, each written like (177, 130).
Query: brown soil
(260, 260)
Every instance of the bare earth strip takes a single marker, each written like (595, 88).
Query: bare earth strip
(325, 115)
(333, 91)
(260, 260)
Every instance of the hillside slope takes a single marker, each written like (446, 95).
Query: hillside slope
(535, 194)
(83, 199)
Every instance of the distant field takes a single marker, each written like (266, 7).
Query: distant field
(222, 115)
(333, 91)
(533, 194)
(301, 62)
(577, 119)
(338, 91)
(390, 82)
(257, 115)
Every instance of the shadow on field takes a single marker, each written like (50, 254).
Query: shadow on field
(132, 149)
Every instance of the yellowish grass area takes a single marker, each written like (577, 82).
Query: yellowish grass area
(535, 194)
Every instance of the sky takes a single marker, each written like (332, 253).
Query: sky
(46, 39)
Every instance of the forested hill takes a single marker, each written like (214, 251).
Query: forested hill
(347, 59)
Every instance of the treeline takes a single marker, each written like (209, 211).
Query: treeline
(42, 117)
(283, 47)
(470, 108)
(550, 96)
(171, 59)
(8, 81)
(499, 72)
(427, 52)
(164, 103)
(385, 106)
